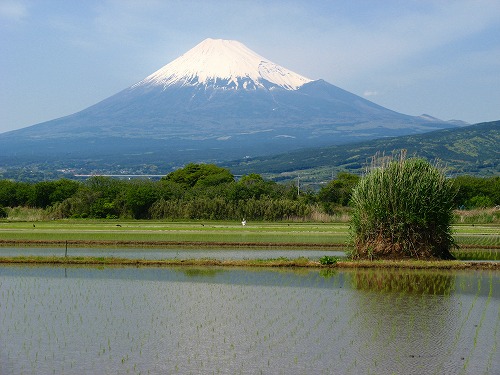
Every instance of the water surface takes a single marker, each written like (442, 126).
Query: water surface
(84, 320)
(181, 253)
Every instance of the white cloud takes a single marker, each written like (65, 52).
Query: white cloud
(370, 93)
(354, 49)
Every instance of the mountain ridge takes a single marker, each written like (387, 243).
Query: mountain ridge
(179, 116)
(471, 150)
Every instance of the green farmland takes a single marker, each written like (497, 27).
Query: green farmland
(471, 238)
(158, 233)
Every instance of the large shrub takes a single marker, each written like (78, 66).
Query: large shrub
(403, 208)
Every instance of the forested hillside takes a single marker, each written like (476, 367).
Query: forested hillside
(470, 150)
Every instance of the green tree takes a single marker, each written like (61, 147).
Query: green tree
(24, 195)
(471, 186)
(202, 175)
(254, 186)
(84, 203)
(139, 198)
(42, 193)
(46, 193)
(479, 201)
(170, 190)
(98, 197)
(338, 191)
(8, 193)
(13, 194)
(63, 189)
(106, 187)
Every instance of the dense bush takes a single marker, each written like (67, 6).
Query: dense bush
(194, 192)
(403, 208)
(476, 192)
(337, 193)
(40, 195)
(223, 209)
(205, 191)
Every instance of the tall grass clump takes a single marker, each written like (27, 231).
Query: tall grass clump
(402, 208)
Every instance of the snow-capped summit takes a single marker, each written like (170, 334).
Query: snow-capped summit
(219, 101)
(226, 64)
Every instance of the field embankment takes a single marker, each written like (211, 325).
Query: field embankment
(280, 262)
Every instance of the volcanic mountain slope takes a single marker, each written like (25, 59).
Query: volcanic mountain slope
(219, 101)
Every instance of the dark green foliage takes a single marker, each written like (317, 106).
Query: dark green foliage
(8, 193)
(337, 192)
(139, 197)
(105, 187)
(328, 260)
(3, 213)
(46, 193)
(476, 192)
(170, 190)
(203, 175)
(100, 197)
(403, 208)
(204, 192)
(253, 186)
(221, 208)
(41, 194)
(194, 192)
(13, 194)
(479, 201)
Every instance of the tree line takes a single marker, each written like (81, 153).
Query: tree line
(206, 191)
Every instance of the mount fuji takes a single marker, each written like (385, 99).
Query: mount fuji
(218, 101)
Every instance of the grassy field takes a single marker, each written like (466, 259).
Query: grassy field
(161, 233)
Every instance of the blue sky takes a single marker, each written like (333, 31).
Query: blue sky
(436, 57)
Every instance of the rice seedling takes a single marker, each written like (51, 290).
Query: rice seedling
(151, 320)
(477, 254)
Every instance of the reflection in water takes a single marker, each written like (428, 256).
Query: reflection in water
(250, 321)
(197, 272)
(182, 253)
(328, 273)
(420, 322)
(406, 318)
(410, 281)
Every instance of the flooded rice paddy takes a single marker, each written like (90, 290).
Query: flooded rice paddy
(181, 253)
(83, 320)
